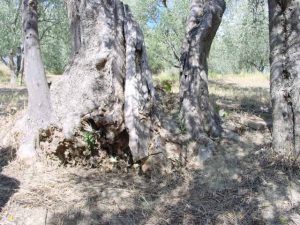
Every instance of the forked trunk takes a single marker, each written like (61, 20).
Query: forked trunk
(197, 112)
(285, 74)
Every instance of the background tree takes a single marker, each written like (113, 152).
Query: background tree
(10, 34)
(241, 44)
(54, 35)
(53, 27)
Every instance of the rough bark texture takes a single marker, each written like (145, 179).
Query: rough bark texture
(73, 8)
(197, 112)
(107, 90)
(285, 73)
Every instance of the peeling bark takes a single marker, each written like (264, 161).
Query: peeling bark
(197, 111)
(285, 74)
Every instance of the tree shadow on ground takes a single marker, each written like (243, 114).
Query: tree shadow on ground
(242, 183)
(230, 189)
(251, 100)
(8, 185)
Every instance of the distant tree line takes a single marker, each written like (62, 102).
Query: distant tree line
(241, 43)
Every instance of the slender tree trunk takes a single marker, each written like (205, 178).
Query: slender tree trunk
(285, 74)
(39, 107)
(12, 67)
(197, 112)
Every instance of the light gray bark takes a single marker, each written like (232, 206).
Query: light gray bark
(285, 74)
(39, 106)
(197, 111)
(139, 90)
(107, 90)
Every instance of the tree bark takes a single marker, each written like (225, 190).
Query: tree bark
(285, 74)
(39, 106)
(12, 67)
(73, 8)
(196, 110)
(139, 90)
(107, 89)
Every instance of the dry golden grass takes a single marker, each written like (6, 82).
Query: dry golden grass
(4, 74)
(244, 79)
(251, 89)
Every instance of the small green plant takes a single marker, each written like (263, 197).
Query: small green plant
(167, 85)
(90, 141)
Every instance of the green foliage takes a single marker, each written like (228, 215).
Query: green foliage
(163, 30)
(53, 31)
(10, 23)
(54, 35)
(90, 141)
(167, 85)
(242, 42)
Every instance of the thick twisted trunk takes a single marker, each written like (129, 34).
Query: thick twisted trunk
(107, 90)
(285, 74)
(197, 112)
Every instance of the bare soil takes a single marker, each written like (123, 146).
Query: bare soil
(241, 183)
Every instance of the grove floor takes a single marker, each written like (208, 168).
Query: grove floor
(241, 183)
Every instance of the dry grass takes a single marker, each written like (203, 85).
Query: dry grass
(4, 74)
(243, 183)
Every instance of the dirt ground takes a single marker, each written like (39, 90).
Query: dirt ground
(241, 183)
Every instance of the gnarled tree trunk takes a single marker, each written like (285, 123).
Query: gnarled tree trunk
(107, 90)
(285, 74)
(197, 112)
